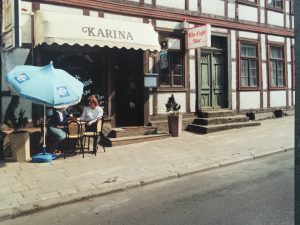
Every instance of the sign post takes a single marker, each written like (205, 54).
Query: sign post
(197, 38)
(150, 80)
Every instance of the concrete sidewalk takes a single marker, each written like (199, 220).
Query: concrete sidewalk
(27, 187)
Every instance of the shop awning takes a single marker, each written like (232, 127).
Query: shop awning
(52, 27)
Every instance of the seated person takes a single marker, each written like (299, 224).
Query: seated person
(91, 113)
(56, 126)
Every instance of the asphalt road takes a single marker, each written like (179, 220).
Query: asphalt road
(258, 192)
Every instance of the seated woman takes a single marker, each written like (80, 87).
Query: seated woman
(91, 113)
(56, 126)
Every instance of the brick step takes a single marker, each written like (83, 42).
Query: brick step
(205, 129)
(134, 139)
(221, 120)
(216, 113)
(132, 131)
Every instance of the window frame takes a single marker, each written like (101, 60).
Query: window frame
(164, 87)
(258, 59)
(248, 2)
(274, 8)
(277, 45)
(292, 9)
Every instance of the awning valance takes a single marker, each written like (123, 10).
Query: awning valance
(52, 27)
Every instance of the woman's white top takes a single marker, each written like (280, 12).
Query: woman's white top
(90, 114)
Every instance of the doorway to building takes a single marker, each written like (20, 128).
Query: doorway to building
(129, 87)
(213, 76)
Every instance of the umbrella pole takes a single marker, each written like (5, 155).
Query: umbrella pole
(44, 138)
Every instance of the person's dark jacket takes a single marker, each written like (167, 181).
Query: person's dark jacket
(55, 119)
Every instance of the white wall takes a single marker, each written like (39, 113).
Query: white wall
(231, 10)
(62, 9)
(193, 102)
(263, 47)
(233, 99)
(265, 99)
(162, 99)
(247, 13)
(123, 18)
(219, 30)
(193, 5)
(214, 7)
(264, 75)
(233, 56)
(178, 4)
(289, 70)
(277, 98)
(151, 104)
(168, 24)
(275, 38)
(249, 35)
(262, 18)
(275, 18)
(294, 97)
(192, 67)
(250, 100)
(25, 22)
(290, 97)
(288, 50)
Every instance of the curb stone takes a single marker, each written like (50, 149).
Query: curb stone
(26, 209)
(268, 153)
(236, 160)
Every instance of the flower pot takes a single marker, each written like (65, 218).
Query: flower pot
(20, 146)
(175, 124)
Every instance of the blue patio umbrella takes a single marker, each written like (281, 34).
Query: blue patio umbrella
(46, 86)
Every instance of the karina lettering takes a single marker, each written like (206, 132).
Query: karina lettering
(107, 33)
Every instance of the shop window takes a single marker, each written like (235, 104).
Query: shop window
(248, 65)
(276, 65)
(275, 4)
(171, 63)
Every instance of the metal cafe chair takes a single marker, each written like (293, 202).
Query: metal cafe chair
(97, 132)
(73, 136)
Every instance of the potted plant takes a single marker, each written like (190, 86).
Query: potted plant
(19, 139)
(174, 119)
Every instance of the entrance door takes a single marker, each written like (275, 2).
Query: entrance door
(129, 87)
(212, 80)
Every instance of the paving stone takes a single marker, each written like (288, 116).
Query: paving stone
(85, 187)
(29, 199)
(32, 192)
(20, 188)
(8, 204)
(12, 197)
(129, 166)
(67, 191)
(49, 195)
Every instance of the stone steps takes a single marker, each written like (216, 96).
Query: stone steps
(216, 113)
(205, 129)
(132, 131)
(217, 120)
(221, 120)
(134, 139)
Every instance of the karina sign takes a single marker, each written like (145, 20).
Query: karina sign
(199, 37)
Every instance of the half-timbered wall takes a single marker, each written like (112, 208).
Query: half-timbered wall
(235, 19)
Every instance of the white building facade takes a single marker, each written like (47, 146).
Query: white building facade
(248, 67)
